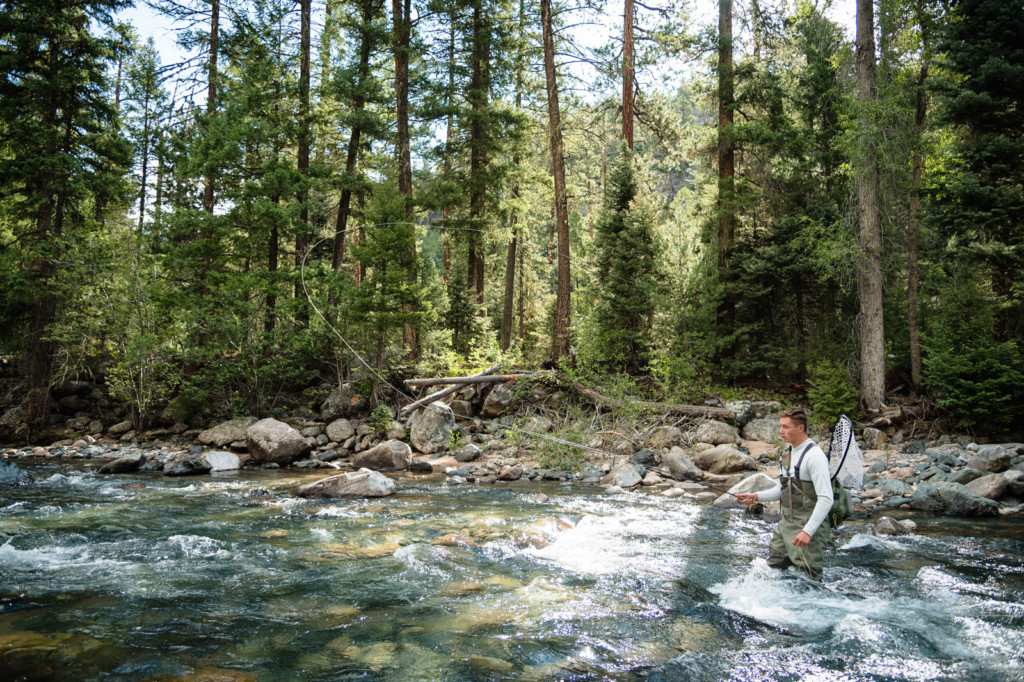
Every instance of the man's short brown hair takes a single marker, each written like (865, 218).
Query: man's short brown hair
(796, 415)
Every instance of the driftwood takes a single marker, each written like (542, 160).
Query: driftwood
(461, 381)
(895, 415)
(685, 410)
(443, 392)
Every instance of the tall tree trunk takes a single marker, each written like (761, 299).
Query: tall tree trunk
(302, 160)
(912, 226)
(726, 166)
(145, 162)
(510, 263)
(478, 87)
(869, 219)
(446, 211)
(367, 8)
(403, 25)
(211, 93)
(627, 73)
(560, 347)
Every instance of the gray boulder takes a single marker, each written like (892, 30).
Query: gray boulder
(222, 461)
(430, 428)
(391, 454)
(342, 402)
(123, 465)
(624, 475)
(222, 434)
(187, 465)
(270, 441)
(645, 457)
(992, 486)
(120, 427)
(751, 484)
(497, 402)
(666, 437)
(742, 412)
(873, 438)
(724, 459)
(462, 408)
(12, 476)
(362, 483)
(952, 498)
(467, 453)
(716, 433)
(890, 487)
(676, 461)
(538, 424)
(991, 459)
(340, 430)
(764, 429)
(965, 475)
(763, 408)
(1014, 482)
(889, 526)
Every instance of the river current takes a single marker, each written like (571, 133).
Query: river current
(141, 577)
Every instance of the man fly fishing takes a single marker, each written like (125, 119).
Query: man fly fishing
(805, 489)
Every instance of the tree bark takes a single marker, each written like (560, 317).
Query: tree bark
(560, 344)
(211, 92)
(912, 226)
(726, 165)
(402, 25)
(627, 73)
(869, 219)
(302, 161)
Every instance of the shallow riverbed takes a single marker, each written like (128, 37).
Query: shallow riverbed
(142, 577)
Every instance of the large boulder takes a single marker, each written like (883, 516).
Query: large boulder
(991, 459)
(430, 428)
(764, 429)
(1014, 482)
(666, 437)
(342, 402)
(272, 442)
(759, 482)
(225, 433)
(716, 433)
(362, 483)
(467, 453)
(624, 475)
(123, 465)
(992, 486)
(391, 454)
(742, 412)
(340, 430)
(952, 498)
(873, 438)
(186, 465)
(222, 461)
(724, 459)
(497, 402)
(11, 475)
(676, 461)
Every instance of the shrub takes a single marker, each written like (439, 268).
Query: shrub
(830, 392)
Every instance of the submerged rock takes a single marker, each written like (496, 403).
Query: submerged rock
(11, 475)
(362, 483)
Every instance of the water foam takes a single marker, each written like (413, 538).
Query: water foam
(198, 547)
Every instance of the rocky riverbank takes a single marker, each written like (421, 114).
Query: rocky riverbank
(481, 443)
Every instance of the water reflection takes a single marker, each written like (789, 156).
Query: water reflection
(143, 577)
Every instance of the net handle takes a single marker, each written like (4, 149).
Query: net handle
(849, 441)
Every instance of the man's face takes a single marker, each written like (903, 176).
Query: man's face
(789, 431)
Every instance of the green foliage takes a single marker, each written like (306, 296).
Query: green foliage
(973, 374)
(830, 392)
(381, 418)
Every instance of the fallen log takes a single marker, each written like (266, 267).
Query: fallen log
(442, 393)
(462, 381)
(685, 410)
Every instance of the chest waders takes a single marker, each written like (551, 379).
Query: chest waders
(798, 500)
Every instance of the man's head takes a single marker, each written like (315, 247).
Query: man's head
(793, 426)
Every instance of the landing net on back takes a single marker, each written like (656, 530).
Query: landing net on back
(845, 459)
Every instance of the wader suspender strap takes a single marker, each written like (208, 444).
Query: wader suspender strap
(789, 479)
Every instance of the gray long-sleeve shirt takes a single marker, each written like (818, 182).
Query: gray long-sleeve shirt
(814, 469)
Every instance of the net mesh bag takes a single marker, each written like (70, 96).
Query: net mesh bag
(846, 462)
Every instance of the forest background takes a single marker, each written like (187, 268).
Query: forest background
(686, 208)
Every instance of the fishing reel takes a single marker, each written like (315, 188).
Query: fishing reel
(756, 509)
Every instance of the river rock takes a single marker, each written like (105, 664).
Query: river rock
(751, 484)
(510, 473)
(119, 428)
(992, 486)
(430, 428)
(645, 457)
(11, 475)
(270, 441)
(764, 429)
(742, 411)
(497, 402)
(487, 665)
(362, 483)
(716, 433)
(391, 454)
(890, 487)
(462, 408)
(624, 475)
(965, 475)
(992, 459)
(889, 526)
(666, 437)
(340, 430)
(224, 433)
(676, 461)
(1014, 482)
(123, 465)
(186, 465)
(342, 402)
(394, 431)
(724, 459)
(539, 424)
(222, 461)
(952, 498)
(873, 438)
(467, 453)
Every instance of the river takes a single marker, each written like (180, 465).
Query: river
(142, 577)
